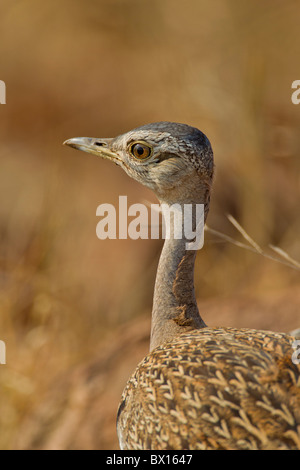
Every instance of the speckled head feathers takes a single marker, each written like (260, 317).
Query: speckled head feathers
(174, 160)
(173, 138)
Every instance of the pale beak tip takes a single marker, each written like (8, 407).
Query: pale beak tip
(75, 142)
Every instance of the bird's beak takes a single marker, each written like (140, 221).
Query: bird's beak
(99, 147)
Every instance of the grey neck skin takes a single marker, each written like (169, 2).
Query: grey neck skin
(175, 308)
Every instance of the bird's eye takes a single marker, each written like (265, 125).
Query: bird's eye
(140, 151)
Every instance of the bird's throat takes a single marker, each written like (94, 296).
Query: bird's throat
(175, 308)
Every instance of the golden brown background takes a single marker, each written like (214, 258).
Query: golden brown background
(75, 310)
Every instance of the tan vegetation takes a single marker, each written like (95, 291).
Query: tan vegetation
(100, 68)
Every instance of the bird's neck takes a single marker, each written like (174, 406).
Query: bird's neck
(175, 308)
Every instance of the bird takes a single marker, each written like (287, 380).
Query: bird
(199, 387)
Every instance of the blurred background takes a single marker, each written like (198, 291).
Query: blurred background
(75, 311)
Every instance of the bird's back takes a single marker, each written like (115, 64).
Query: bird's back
(214, 388)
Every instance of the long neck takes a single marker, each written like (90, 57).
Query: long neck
(175, 308)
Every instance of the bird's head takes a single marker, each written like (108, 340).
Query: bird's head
(174, 160)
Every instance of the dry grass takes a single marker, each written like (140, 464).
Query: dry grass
(283, 257)
(99, 68)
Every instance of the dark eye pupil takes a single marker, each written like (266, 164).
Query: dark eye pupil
(140, 151)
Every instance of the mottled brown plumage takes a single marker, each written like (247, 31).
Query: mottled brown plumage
(199, 387)
(215, 388)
